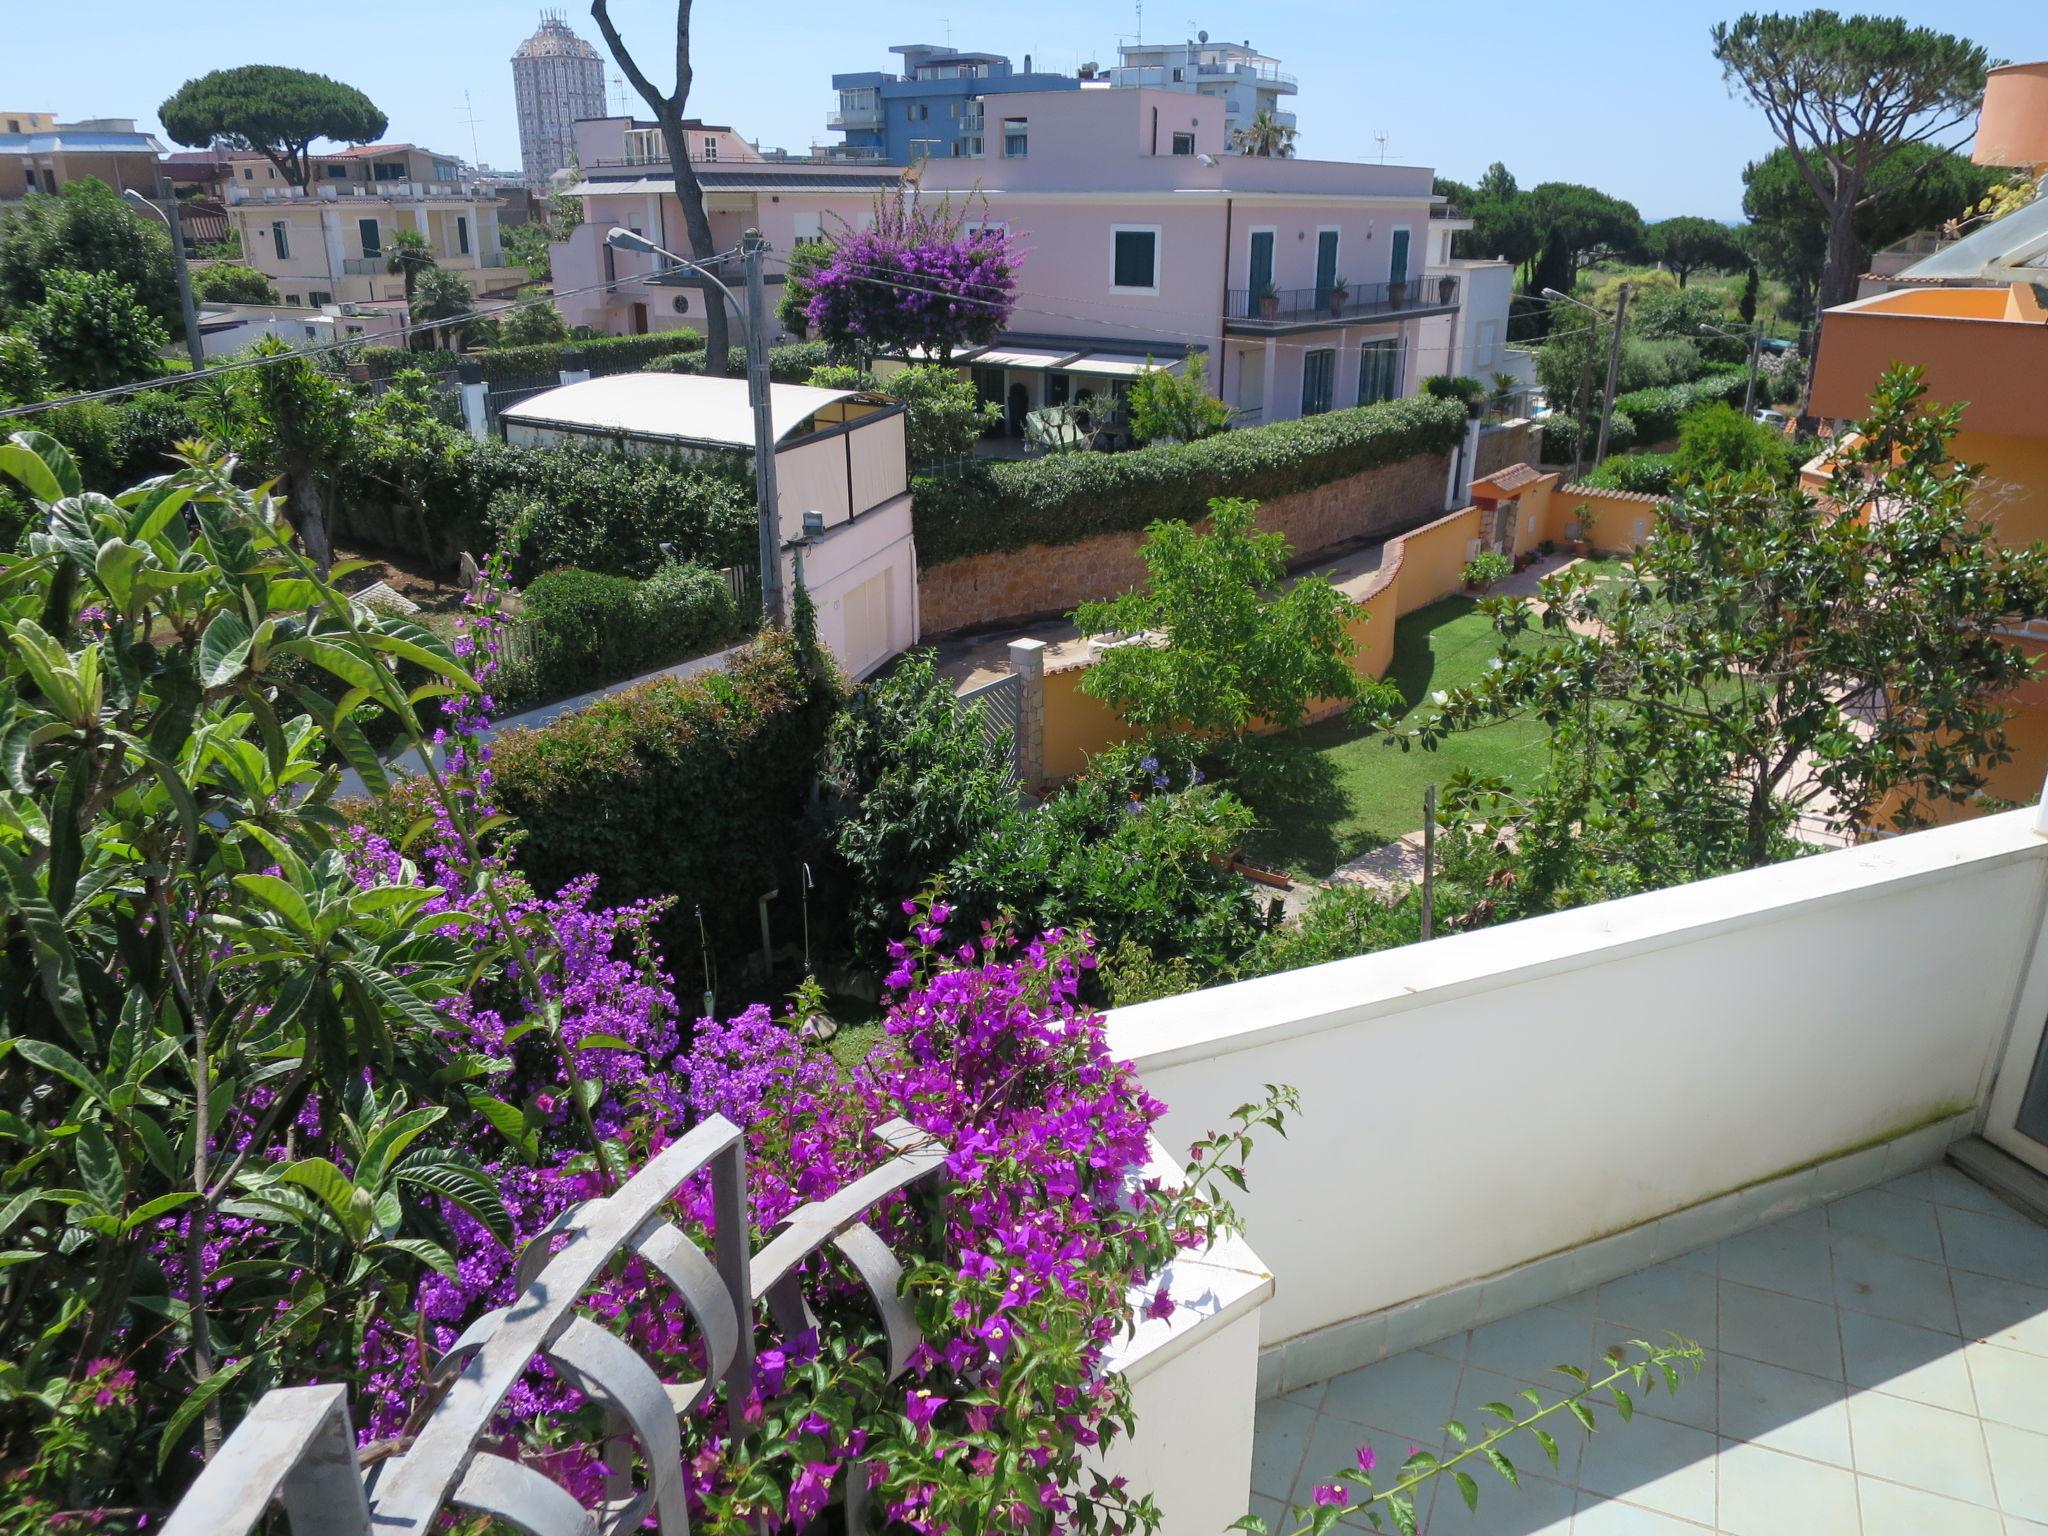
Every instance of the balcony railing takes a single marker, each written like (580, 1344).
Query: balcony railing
(362, 266)
(1355, 301)
(854, 117)
(1264, 73)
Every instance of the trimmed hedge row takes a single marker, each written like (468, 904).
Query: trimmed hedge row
(1657, 412)
(790, 364)
(601, 354)
(990, 506)
(693, 790)
(1561, 434)
(581, 630)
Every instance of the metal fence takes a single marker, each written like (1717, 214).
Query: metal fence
(297, 1444)
(500, 397)
(1000, 705)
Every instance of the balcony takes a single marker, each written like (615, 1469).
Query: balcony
(1264, 74)
(854, 117)
(1293, 309)
(363, 266)
(1719, 1110)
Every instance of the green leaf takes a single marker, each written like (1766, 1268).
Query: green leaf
(162, 1205)
(1549, 1444)
(1456, 1430)
(1466, 1487)
(1499, 1411)
(509, 1122)
(194, 1405)
(1581, 1412)
(602, 1042)
(389, 1141)
(56, 965)
(54, 1058)
(281, 897)
(99, 1166)
(395, 995)
(223, 650)
(11, 1212)
(431, 1254)
(333, 1188)
(1504, 1467)
(1623, 1404)
(43, 465)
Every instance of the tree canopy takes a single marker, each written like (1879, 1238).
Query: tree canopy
(1578, 226)
(1845, 94)
(93, 332)
(87, 227)
(1688, 243)
(274, 110)
(226, 282)
(916, 277)
(1919, 186)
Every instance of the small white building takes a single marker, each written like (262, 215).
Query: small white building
(839, 452)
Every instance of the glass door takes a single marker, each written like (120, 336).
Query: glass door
(1326, 266)
(1318, 380)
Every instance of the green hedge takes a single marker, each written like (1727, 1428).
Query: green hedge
(581, 630)
(1560, 433)
(989, 506)
(791, 364)
(601, 354)
(694, 790)
(1657, 412)
(1649, 473)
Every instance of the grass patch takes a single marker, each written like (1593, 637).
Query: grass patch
(1327, 793)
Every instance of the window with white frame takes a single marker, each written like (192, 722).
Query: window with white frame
(1016, 137)
(1485, 343)
(1379, 370)
(1183, 143)
(710, 146)
(1134, 258)
(280, 242)
(1318, 380)
(807, 228)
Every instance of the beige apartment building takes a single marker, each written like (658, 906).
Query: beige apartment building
(330, 242)
(40, 154)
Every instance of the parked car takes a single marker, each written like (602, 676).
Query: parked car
(1777, 421)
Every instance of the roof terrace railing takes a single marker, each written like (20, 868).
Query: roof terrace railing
(298, 1445)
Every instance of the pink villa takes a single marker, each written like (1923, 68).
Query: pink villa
(1309, 285)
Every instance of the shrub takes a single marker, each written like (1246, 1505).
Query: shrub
(1339, 921)
(688, 789)
(685, 610)
(1468, 392)
(1657, 412)
(22, 375)
(1176, 407)
(606, 510)
(990, 506)
(1649, 473)
(1486, 568)
(583, 630)
(534, 325)
(1718, 439)
(790, 364)
(943, 414)
(230, 283)
(601, 354)
(1561, 433)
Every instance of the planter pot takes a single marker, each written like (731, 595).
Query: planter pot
(1339, 297)
(1446, 287)
(1397, 295)
(1268, 308)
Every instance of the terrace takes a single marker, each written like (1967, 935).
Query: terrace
(1719, 1110)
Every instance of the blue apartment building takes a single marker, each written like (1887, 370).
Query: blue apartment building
(930, 111)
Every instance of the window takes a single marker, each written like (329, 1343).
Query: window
(1183, 143)
(462, 234)
(1397, 264)
(710, 146)
(1379, 370)
(248, 173)
(1259, 263)
(1485, 340)
(1134, 257)
(337, 173)
(808, 228)
(386, 170)
(1326, 264)
(319, 296)
(971, 146)
(292, 299)
(1318, 380)
(280, 242)
(14, 125)
(1016, 137)
(372, 237)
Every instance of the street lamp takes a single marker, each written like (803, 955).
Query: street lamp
(176, 226)
(1613, 359)
(1755, 340)
(751, 247)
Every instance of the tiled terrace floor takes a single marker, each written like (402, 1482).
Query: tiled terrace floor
(1878, 1367)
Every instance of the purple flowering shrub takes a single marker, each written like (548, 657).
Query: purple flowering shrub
(916, 276)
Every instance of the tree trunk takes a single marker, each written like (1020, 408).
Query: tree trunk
(1844, 261)
(310, 517)
(717, 339)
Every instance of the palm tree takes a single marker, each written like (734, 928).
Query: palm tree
(410, 256)
(1265, 135)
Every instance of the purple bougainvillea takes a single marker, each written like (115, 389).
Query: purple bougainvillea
(917, 276)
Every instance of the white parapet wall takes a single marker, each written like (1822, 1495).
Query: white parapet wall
(1556, 1087)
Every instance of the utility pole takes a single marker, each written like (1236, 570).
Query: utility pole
(759, 389)
(1613, 371)
(166, 208)
(1756, 346)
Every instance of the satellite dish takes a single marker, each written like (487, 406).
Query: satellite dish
(1201, 37)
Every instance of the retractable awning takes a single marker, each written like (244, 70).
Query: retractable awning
(1020, 357)
(1118, 365)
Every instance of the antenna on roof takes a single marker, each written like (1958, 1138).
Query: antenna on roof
(618, 96)
(1380, 138)
(475, 157)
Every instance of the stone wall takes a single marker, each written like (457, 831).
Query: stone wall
(1515, 442)
(1044, 579)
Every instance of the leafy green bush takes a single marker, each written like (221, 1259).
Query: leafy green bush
(790, 364)
(1718, 439)
(149, 424)
(1486, 568)
(1657, 412)
(22, 375)
(685, 610)
(1561, 433)
(601, 354)
(231, 283)
(1468, 392)
(692, 789)
(943, 415)
(991, 506)
(1339, 921)
(583, 630)
(1649, 473)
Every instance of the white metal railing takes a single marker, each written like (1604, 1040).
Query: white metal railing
(297, 1444)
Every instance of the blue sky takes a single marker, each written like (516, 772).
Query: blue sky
(1624, 96)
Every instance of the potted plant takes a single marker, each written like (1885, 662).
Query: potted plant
(1446, 288)
(1268, 296)
(1397, 293)
(1340, 295)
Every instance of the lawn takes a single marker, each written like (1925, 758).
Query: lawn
(1337, 791)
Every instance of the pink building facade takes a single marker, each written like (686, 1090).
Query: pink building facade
(1306, 284)
(626, 181)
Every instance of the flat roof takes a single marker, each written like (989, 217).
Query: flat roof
(681, 406)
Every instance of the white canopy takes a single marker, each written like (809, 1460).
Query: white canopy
(1119, 365)
(684, 407)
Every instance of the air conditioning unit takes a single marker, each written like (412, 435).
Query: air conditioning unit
(351, 310)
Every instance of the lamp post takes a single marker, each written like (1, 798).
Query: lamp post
(750, 317)
(1755, 338)
(169, 214)
(1613, 357)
